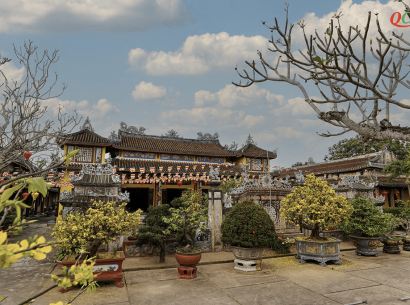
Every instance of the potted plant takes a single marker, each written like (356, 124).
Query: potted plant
(248, 229)
(189, 216)
(99, 225)
(366, 225)
(403, 212)
(315, 206)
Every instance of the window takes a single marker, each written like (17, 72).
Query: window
(85, 154)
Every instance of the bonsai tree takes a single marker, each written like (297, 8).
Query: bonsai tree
(315, 205)
(404, 215)
(248, 225)
(98, 226)
(367, 220)
(191, 212)
(153, 231)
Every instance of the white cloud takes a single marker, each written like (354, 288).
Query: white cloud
(36, 16)
(233, 96)
(289, 132)
(252, 120)
(295, 106)
(148, 91)
(99, 110)
(199, 54)
(12, 72)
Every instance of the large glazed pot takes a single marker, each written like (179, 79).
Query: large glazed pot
(188, 259)
(107, 269)
(391, 245)
(406, 243)
(366, 246)
(247, 253)
(320, 251)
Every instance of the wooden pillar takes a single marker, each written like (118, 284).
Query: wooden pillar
(391, 194)
(401, 194)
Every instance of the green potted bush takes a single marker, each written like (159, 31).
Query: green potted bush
(316, 206)
(366, 226)
(248, 229)
(99, 225)
(152, 233)
(190, 215)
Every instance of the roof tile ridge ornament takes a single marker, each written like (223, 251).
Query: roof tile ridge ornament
(173, 134)
(87, 125)
(207, 136)
(132, 129)
(233, 147)
(114, 137)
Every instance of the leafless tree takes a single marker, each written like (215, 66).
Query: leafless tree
(23, 123)
(337, 63)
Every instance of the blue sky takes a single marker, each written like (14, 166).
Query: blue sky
(169, 64)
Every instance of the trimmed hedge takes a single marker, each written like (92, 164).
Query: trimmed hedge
(393, 210)
(249, 225)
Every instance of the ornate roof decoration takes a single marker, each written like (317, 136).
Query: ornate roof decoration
(310, 161)
(233, 147)
(299, 177)
(207, 136)
(132, 129)
(114, 138)
(250, 140)
(87, 125)
(172, 134)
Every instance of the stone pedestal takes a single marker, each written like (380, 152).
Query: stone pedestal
(215, 212)
(185, 272)
(248, 265)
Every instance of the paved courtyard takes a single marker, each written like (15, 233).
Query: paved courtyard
(379, 280)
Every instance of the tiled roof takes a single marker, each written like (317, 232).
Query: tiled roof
(87, 137)
(252, 150)
(398, 181)
(194, 167)
(338, 166)
(178, 146)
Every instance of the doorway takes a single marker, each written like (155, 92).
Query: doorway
(140, 198)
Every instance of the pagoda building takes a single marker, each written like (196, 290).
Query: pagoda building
(156, 169)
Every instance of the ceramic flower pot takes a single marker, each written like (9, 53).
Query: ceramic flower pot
(187, 264)
(406, 243)
(247, 253)
(391, 245)
(107, 269)
(320, 251)
(366, 246)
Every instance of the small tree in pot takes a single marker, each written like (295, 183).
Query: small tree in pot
(188, 216)
(313, 206)
(366, 225)
(248, 225)
(153, 231)
(98, 226)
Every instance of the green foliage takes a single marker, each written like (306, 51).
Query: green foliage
(248, 225)
(10, 217)
(397, 168)
(402, 212)
(367, 219)
(153, 231)
(192, 211)
(282, 246)
(229, 184)
(315, 205)
(354, 147)
(98, 226)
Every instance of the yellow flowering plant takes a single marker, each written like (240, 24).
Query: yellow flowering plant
(315, 205)
(99, 225)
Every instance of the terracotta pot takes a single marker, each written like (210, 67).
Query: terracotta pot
(188, 259)
(132, 238)
(108, 269)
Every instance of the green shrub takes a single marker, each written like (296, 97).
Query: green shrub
(10, 217)
(367, 219)
(393, 210)
(249, 225)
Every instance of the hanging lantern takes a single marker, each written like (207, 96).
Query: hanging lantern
(27, 155)
(397, 193)
(384, 193)
(179, 183)
(35, 195)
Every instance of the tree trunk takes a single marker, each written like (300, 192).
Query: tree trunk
(162, 252)
(315, 232)
(190, 245)
(93, 249)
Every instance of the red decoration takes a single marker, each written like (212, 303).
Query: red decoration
(179, 183)
(384, 193)
(27, 155)
(396, 192)
(35, 195)
(25, 195)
